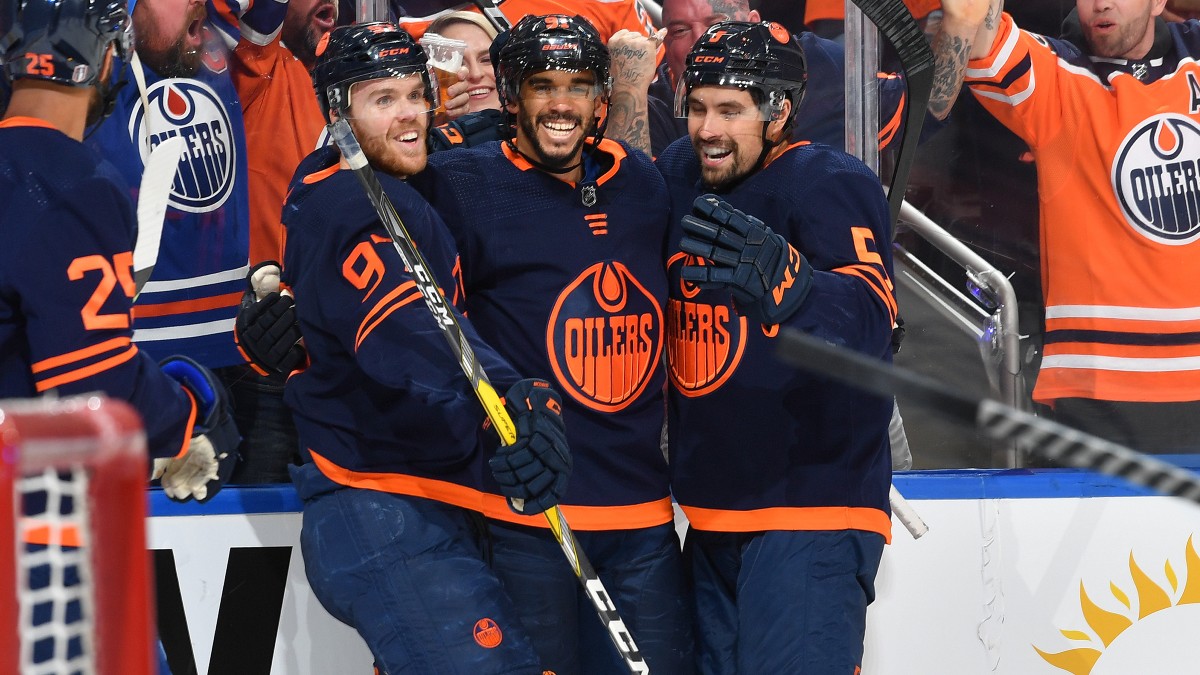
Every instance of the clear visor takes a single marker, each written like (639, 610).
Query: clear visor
(583, 86)
(728, 96)
(400, 94)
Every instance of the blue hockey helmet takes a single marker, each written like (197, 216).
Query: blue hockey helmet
(550, 42)
(763, 58)
(366, 51)
(64, 41)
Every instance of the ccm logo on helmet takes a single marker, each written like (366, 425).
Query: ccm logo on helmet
(708, 59)
(394, 51)
(547, 48)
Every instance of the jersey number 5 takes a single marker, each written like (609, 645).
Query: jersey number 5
(119, 270)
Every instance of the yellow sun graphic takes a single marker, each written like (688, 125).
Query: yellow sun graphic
(1106, 626)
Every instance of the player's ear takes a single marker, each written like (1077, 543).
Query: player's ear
(754, 16)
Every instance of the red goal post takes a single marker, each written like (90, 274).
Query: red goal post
(75, 590)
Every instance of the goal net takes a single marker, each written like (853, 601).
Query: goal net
(74, 573)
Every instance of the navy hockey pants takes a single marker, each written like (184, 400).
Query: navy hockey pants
(409, 575)
(641, 569)
(782, 601)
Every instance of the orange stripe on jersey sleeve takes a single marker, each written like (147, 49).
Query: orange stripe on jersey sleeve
(142, 311)
(79, 354)
(86, 371)
(875, 281)
(318, 176)
(385, 307)
(792, 518)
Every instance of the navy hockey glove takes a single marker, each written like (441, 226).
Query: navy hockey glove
(266, 329)
(212, 454)
(533, 472)
(767, 276)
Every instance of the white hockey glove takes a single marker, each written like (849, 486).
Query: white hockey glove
(188, 476)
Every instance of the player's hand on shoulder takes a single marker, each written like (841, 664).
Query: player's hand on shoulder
(767, 276)
(266, 328)
(212, 453)
(533, 472)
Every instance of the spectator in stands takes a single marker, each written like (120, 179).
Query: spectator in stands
(272, 49)
(189, 304)
(1108, 113)
(476, 89)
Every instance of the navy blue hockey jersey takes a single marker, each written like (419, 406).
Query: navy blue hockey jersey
(189, 305)
(66, 284)
(383, 404)
(756, 444)
(566, 281)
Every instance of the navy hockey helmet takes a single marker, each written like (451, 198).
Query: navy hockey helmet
(763, 58)
(64, 41)
(366, 51)
(550, 42)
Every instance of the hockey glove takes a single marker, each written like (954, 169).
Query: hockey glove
(769, 278)
(266, 329)
(212, 454)
(533, 472)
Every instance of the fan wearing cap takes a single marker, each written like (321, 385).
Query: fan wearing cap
(783, 476)
(392, 435)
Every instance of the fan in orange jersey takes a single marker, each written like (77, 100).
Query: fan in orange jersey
(1112, 114)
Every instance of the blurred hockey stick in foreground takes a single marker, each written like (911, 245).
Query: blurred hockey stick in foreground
(1051, 440)
(344, 137)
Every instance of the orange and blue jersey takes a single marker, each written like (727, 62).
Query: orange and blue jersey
(189, 305)
(383, 404)
(282, 118)
(756, 444)
(66, 284)
(1117, 146)
(566, 281)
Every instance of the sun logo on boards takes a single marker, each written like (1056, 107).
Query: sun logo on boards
(1157, 625)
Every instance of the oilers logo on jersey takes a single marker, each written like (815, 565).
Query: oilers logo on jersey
(605, 337)
(1155, 178)
(191, 109)
(705, 341)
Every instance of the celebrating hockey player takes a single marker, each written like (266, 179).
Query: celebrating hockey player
(393, 435)
(562, 236)
(66, 283)
(783, 475)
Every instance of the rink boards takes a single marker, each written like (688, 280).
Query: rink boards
(1021, 572)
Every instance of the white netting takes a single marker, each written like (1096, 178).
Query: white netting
(55, 589)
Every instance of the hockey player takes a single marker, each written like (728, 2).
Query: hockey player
(562, 234)
(783, 475)
(394, 436)
(66, 266)
(1110, 114)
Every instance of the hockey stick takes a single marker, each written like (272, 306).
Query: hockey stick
(158, 175)
(905, 513)
(493, 14)
(1051, 440)
(897, 24)
(344, 137)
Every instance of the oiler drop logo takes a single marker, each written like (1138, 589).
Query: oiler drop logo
(1156, 178)
(605, 337)
(705, 341)
(191, 109)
